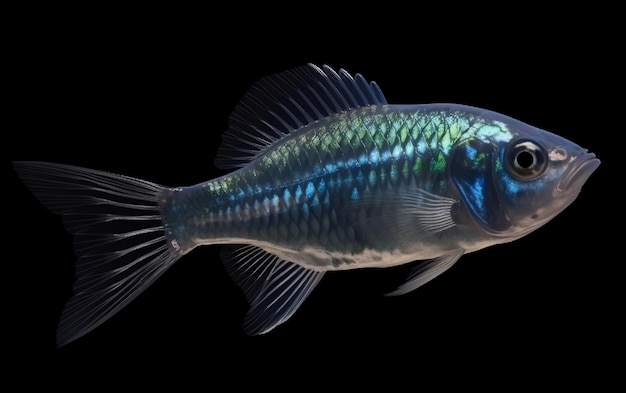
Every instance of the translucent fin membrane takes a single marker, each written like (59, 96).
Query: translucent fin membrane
(118, 238)
(277, 105)
(427, 270)
(274, 288)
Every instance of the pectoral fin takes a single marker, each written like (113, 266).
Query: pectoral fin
(274, 288)
(427, 270)
(415, 213)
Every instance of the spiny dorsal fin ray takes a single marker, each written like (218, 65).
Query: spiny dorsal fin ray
(280, 104)
(274, 288)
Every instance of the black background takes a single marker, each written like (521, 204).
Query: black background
(148, 96)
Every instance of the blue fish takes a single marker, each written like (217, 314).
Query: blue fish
(326, 175)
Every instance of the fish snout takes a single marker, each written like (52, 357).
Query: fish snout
(579, 170)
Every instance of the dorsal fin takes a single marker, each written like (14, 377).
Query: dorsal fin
(280, 104)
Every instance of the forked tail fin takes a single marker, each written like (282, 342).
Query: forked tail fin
(118, 233)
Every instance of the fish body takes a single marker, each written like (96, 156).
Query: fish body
(324, 197)
(328, 176)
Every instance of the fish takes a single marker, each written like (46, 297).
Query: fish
(324, 175)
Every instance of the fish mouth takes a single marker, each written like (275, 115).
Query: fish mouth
(578, 173)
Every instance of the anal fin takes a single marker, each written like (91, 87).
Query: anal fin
(427, 270)
(274, 288)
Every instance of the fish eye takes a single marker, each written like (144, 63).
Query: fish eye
(526, 160)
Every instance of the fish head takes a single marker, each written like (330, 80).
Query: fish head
(514, 177)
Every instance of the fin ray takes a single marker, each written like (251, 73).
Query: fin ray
(277, 105)
(416, 213)
(118, 236)
(274, 288)
(427, 270)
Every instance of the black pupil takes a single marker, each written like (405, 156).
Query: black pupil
(525, 159)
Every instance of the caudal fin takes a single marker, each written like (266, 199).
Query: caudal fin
(118, 233)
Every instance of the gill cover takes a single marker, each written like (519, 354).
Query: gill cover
(473, 170)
